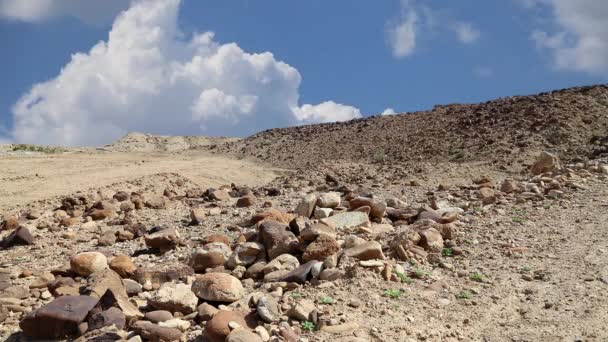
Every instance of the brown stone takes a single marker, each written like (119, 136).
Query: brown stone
(123, 265)
(218, 287)
(246, 201)
(217, 329)
(321, 248)
(277, 239)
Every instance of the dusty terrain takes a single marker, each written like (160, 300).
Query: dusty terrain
(504, 246)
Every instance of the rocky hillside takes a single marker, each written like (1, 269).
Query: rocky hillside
(139, 142)
(572, 122)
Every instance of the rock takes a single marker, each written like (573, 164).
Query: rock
(315, 230)
(242, 335)
(508, 186)
(210, 255)
(277, 239)
(301, 310)
(132, 287)
(329, 200)
(223, 238)
(255, 271)
(487, 195)
(306, 206)
(246, 254)
(157, 202)
(10, 223)
(321, 213)
(289, 334)
(378, 209)
(268, 309)
(122, 196)
(262, 333)
(431, 240)
(206, 311)
(429, 214)
(197, 216)
(87, 263)
(108, 284)
(176, 323)
(217, 329)
(19, 236)
(156, 333)
(320, 249)
(545, 163)
(164, 272)
(347, 220)
(365, 251)
(284, 262)
(164, 240)
(108, 238)
(300, 274)
(123, 265)
(220, 195)
(174, 298)
(111, 316)
(272, 215)
(246, 201)
(59, 319)
(218, 287)
(158, 316)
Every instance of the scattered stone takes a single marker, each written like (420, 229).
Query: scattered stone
(277, 239)
(320, 249)
(366, 251)
(174, 298)
(197, 216)
(218, 287)
(158, 316)
(156, 333)
(59, 319)
(246, 201)
(111, 316)
(164, 240)
(268, 309)
(329, 200)
(545, 163)
(348, 220)
(301, 310)
(243, 335)
(217, 329)
(19, 236)
(87, 263)
(123, 265)
(306, 206)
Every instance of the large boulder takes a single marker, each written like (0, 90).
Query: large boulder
(545, 163)
(306, 206)
(217, 329)
(209, 256)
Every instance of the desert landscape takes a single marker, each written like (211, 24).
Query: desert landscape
(467, 222)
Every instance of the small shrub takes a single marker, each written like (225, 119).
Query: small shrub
(296, 295)
(478, 277)
(393, 294)
(308, 326)
(464, 295)
(419, 273)
(404, 278)
(326, 300)
(379, 157)
(447, 252)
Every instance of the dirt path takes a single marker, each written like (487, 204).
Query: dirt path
(26, 178)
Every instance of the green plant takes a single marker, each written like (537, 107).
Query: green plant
(296, 295)
(447, 252)
(36, 148)
(326, 300)
(526, 269)
(379, 157)
(308, 326)
(464, 295)
(404, 278)
(419, 273)
(394, 294)
(478, 277)
(517, 219)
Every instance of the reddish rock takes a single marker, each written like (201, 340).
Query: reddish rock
(277, 239)
(217, 329)
(321, 248)
(246, 201)
(123, 265)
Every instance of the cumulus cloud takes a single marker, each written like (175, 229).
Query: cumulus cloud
(94, 12)
(388, 111)
(466, 33)
(577, 37)
(417, 19)
(146, 78)
(327, 111)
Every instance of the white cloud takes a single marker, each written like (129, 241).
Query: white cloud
(144, 78)
(402, 35)
(577, 38)
(94, 12)
(328, 111)
(388, 111)
(466, 33)
(416, 20)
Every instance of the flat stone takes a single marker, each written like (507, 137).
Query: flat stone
(366, 251)
(277, 239)
(158, 316)
(347, 220)
(59, 319)
(174, 298)
(154, 332)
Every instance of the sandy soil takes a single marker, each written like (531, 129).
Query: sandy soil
(25, 178)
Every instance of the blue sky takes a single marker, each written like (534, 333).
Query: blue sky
(331, 60)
